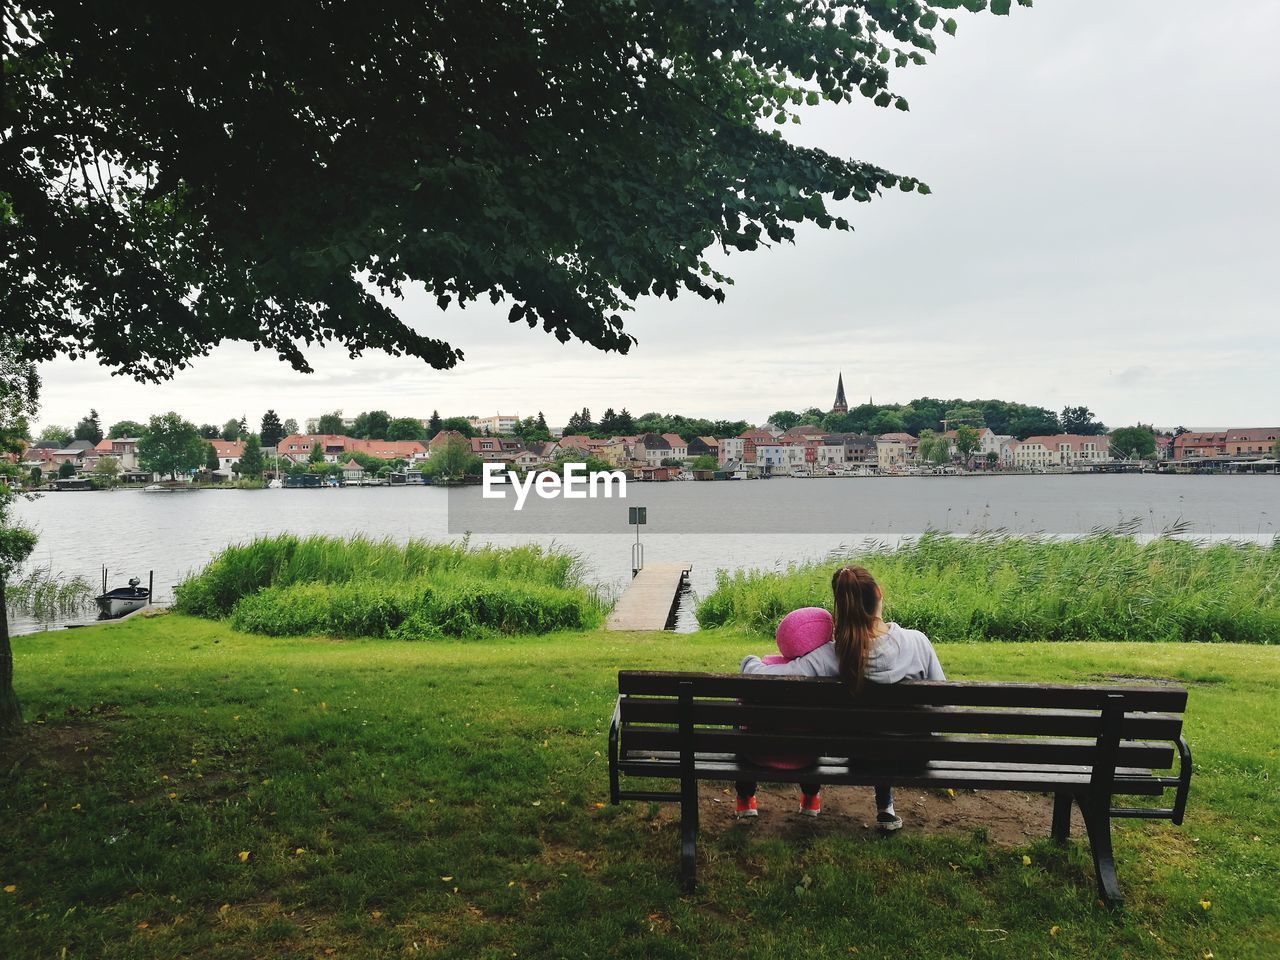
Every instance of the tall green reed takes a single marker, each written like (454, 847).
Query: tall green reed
(362, 587)
(992, 586)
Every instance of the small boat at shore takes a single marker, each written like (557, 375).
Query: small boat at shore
(116, 603)
(169, 488)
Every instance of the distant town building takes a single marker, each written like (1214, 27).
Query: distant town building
(893, 450)
(229, 453)
(704, 447)
(1251, 441)
(1060, 450)
(730, 449)
(679, 449)
(1197, 444)
(652, 448)
(495, 425)
(1238, 442)
(313, 424)
(338, 448)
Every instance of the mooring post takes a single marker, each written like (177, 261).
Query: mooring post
(151, 587)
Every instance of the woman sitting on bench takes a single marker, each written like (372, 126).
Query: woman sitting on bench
(863, 648)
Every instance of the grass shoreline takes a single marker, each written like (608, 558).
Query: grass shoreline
(446, 795)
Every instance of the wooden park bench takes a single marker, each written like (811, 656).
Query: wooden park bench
(1083, 744)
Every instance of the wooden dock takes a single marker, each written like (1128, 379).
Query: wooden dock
(649, 602)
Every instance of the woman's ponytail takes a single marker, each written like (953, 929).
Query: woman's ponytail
(857, 602)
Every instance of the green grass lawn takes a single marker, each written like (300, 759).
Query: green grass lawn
(191, 791)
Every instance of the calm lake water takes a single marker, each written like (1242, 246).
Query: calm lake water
(782, 520)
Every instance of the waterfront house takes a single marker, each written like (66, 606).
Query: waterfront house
(652, 449)
(730, 449)
(297, 446)
(749, 440)
(769, 456)
(830, 452)
(229, 453)
(988, 442)
(496, 449)
(408, 450)
(352, 472)
(612, 451)
(525, 459)
(1195, 445)
(1254, 442)
(679, 449)
(442, 438)
(704, 447)
(1061, 450)
(40, 454)
(543, 451)
(338, 448)
(579, 441)
(893, 450)
(858, 447)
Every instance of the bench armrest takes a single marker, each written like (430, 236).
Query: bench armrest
(614, 723)
(1184, 780)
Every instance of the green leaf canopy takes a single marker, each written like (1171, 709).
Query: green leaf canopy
(176, 176)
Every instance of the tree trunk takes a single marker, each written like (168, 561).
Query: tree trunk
(10, 712)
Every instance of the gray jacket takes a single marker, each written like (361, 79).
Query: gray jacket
(900, 654)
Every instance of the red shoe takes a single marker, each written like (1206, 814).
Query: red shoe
(745, 808)
(811, 806)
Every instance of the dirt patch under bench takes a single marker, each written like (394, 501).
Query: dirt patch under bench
(1010, 819)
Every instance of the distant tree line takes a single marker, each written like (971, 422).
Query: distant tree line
(920, 415)
(613, 424)
(928, 414)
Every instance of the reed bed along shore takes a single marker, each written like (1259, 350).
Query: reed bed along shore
(993, 586)
(358, 587)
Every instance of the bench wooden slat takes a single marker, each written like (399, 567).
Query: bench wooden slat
(1051, 723)
(870, 747)
(1143, 773)
(827, 691)
(976, 778)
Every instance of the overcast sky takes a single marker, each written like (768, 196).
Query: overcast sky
(1102, 230)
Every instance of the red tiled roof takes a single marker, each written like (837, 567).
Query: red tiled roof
(385, 449)
(1254, 434)
(228, 448)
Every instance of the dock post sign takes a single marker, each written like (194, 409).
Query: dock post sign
(637, 517)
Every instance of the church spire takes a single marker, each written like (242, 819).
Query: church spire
(840, 406)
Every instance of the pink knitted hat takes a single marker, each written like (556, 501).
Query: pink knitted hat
(803, 631)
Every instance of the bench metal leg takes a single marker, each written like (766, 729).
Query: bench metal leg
(689, 843)
(1061, 828)
(1097, 821)
(688, 794)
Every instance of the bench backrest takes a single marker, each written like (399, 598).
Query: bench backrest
(916, 722)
